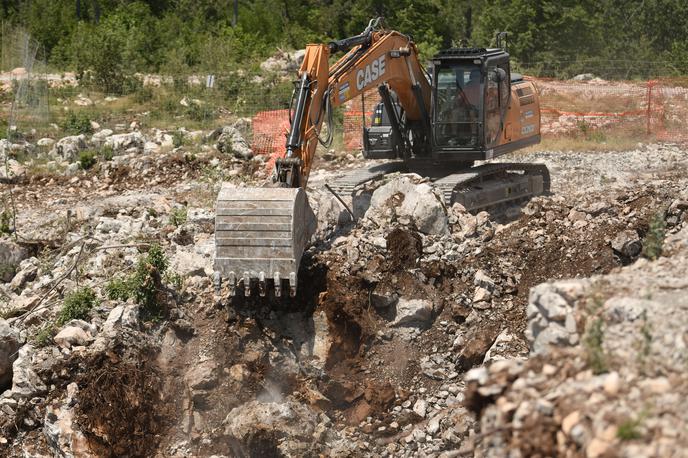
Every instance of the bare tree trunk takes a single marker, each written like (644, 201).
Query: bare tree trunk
(78, 10)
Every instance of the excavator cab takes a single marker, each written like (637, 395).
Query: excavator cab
(471, 94)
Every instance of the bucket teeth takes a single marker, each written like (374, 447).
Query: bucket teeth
(278, 284)
(261, 284)
(292, 284)
(247, 284)
(231, 279)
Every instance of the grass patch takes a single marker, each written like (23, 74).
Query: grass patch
(629, 429)
(178, 216)
(77, 305)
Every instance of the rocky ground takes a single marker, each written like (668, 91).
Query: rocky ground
(419, 330)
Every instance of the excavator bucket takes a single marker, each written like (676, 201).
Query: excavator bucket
(260, 236)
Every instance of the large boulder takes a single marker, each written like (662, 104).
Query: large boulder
(230, 141)
(408, 200)
(254, 427)
(68, 148)
(284, 61)
(11, 255)
(9, 344)
(121, 143)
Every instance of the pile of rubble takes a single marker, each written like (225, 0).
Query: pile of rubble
(420, 328)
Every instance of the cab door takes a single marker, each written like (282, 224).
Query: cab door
(497, 93)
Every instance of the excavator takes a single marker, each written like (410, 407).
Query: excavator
(467, 107)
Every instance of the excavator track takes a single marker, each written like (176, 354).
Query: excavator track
(260, 236)
(476, 188)
(345, 184)
(488, 185)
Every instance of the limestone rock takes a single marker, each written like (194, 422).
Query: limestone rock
(9, 344)
(120, 143)
(232, 142)
(11, 255)
(413, 312)
(71, 336)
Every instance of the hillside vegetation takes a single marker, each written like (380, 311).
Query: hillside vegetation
(617, 39)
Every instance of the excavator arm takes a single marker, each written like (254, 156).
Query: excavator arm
(374, 58)
(261, 233)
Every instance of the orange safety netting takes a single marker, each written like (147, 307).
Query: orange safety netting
(269, 134)
(657, 109)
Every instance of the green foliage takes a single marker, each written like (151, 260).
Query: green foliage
(593, 338)
(654, 240)
(87, 159)
(77, 123)
(45, 335)
(629, 430)
(144, 285)
(107, 153)
(5, 222)
(178, 216)
(105, 41)
(77, 305)
(177, 138)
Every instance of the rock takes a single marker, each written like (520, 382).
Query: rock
(413, 312)
(120, 143)
(232, 142)
(420, 407)
(253, 423)
(627, 244)
(502, 348)
(72, 336)
(583, 77)
(482, 280)
(25, 382)
(191, 263)
(68, 148)
(597, 448)
(285, 62)
(402, 199)
(60, 427)
(202, 376)
(99, 137)
(570, 421)
(45, 142)
(151, 148)
(612, 383)
(9, 344)
(551, 315)
(11, 255)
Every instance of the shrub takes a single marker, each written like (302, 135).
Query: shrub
(144, 285)
(77, 123)
(77, 305)
(45, 335)
(87, 159)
